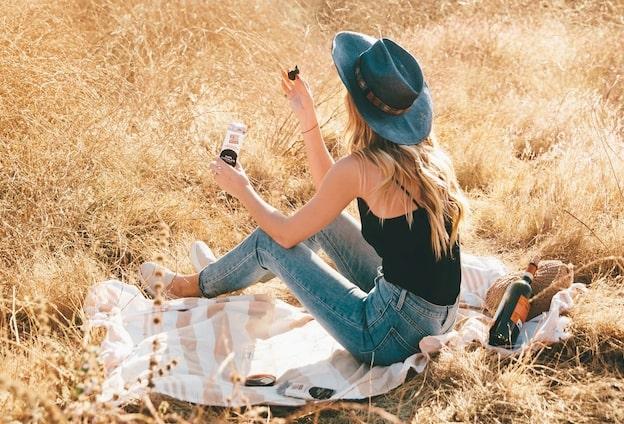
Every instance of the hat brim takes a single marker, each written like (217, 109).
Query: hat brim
(411, 127)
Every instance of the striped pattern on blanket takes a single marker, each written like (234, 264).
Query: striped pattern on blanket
(215, 342)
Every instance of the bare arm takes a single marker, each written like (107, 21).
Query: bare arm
(319, 158)
(338, 188)
(302, 104)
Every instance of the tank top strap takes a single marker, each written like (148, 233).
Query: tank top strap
(406, 191)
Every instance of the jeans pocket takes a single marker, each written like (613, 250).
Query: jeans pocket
(391, 349)
(419, 324)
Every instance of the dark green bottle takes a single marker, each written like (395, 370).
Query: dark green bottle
(513, 310)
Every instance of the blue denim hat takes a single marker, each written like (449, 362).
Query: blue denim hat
(387, 86)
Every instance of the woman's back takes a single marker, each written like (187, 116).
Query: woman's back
(407, 256)
(370, 177)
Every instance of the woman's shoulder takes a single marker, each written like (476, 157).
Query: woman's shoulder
(345, 173)
(360, 165)
(350, 161)
(361, 170)
(350, 165)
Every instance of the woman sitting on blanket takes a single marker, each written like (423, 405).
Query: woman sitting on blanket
(398, 273)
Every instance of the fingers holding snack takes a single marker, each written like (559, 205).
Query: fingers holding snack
(298, 93)
(292, 75)
(294, 78)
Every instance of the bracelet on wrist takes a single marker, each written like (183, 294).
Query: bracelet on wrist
(307, 131)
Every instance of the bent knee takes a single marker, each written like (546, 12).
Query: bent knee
(266, 240)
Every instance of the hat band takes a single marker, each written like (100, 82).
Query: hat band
(376, 101)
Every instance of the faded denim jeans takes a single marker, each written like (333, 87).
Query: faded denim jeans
(377, 322)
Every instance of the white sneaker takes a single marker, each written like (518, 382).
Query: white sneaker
(201, 255)
(149, 275)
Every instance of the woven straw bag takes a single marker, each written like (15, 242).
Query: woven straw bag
(551, 276)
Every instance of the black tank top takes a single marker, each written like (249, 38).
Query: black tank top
(407, 258)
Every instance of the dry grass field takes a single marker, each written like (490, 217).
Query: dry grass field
(110, 111)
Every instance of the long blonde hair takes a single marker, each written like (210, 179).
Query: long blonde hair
(425, 164)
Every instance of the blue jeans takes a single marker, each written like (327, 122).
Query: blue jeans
(377, 322)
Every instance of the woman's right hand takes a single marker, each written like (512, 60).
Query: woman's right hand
(300, 98)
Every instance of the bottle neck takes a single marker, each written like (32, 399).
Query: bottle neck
(528, 277)
(530, 271)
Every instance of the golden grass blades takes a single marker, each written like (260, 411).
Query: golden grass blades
(110, 111)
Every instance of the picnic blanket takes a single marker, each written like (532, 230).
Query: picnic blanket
(205, 346)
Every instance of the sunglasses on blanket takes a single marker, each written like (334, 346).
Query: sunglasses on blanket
(260, 380)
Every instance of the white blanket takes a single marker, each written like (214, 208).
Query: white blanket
(212, 341)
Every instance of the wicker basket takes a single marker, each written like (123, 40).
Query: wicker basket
(551, 276)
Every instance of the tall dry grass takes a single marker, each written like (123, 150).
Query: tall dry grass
(110, 111)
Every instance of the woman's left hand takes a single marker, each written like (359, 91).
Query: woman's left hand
(232, 180)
